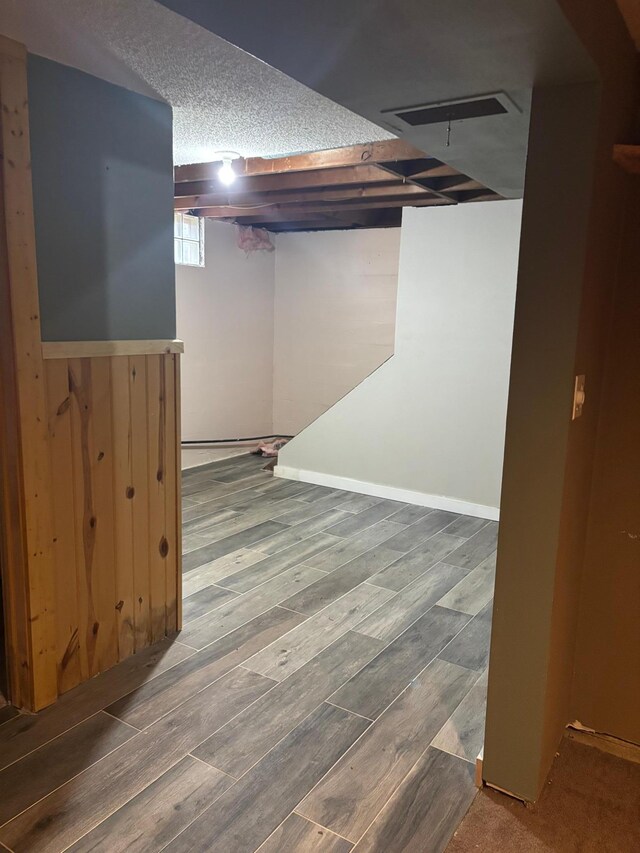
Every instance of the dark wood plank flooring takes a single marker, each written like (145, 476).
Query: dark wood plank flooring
(327, 692)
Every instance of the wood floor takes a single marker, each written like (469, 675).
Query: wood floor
(326, 694)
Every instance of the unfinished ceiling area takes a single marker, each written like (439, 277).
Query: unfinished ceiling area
(362, 186)
(222, 98)
(378, 58)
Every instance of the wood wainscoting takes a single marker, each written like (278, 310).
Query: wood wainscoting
(89, 464)
(113, 439)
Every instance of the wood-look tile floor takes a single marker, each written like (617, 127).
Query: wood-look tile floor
(327, 692)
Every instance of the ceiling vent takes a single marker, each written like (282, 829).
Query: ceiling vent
(463, 108)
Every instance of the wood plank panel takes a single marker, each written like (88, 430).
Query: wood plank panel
(45, 769)
(317, 633)
(82, 512)
(297, 833)
(173, 499)
(138, 395)
(103, 579)
(156, 447)
(156, 815)
(22, 735)
(152, 700)
(245, 815)
(244, 740)
(353, 792)
(70, 671)
(122, 505)
(426, 809)
(30, 582)
(90, 386)
(108, 447)
(381, 681)
(69, 812)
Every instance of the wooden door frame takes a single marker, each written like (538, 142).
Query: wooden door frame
(26, 512)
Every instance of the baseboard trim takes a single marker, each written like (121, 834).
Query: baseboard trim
(478, 776)
(491, 513)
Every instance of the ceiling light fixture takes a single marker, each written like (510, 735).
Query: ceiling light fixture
(226, 172)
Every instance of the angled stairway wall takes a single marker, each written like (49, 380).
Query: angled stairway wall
(428, 425)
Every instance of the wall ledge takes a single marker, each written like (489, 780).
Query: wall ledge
(393, 493)
(96, 349)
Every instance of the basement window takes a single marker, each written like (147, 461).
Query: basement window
(188, 240)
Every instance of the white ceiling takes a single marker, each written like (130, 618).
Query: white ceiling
(222, 97)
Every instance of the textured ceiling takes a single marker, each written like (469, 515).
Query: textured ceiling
(222, 98)
(378, 56)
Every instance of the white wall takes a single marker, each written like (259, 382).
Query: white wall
(225, 318)
(273, 340)
(430, 422)
(335, 307)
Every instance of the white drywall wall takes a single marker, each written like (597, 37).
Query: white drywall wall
(335, 307)
(225, 318)
(430, 422)
(333, 296)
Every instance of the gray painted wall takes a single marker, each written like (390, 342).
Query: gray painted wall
(103, 189)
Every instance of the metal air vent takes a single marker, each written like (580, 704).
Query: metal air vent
(463, 108)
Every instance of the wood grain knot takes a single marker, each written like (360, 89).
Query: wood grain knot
(92, 521)
(101, 456)
(119, 605)
(160, 475)
(64, 406)
(130, 492)
(96, 626)
(164, 547)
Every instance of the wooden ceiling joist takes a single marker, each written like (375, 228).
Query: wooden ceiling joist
(354, 155)
(321, 178)
(360, 186)
(231, 212)
(394, 189)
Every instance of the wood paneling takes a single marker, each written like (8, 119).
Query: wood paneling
(113, 440)
(93, 349)
(27, 512)
(89, 494)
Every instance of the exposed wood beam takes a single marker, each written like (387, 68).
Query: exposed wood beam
(408, 172)
(283, 215)
(232, 212)
(445, 186)
(287, 181)
(394, 189)
(365, 219)
(354, 155)
(320, 225)
(383, 218)
(477, 195)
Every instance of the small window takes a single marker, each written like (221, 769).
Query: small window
(188, 239)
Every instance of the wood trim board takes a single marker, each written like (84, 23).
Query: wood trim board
(97, 349)
(27, 507)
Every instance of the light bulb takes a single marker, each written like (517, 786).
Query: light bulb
(225, 173)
